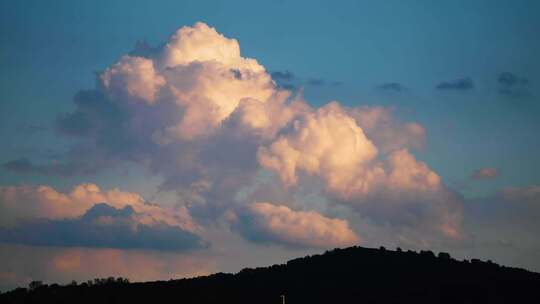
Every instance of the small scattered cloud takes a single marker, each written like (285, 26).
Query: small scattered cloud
(461, 84)
(485, 173)
(512, 85)
(283, 76)
(391, 87)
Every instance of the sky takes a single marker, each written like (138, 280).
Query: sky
(191, 137)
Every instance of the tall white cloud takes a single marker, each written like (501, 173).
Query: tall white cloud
(209, 121)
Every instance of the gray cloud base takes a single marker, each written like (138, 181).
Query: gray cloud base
(102, 226)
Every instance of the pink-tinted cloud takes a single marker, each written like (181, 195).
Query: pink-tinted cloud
(387, 133)
(265, 222)
(89, 217)
(210, 122)
(132, 77)
(44, 202)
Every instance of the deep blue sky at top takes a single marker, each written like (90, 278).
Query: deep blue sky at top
(51, 49)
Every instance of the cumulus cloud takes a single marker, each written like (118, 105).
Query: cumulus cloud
(485, 173)
(396, 188)
(208, 121)
(386, 131)
(461, 84)
(265, 222)
(133, 77)
(328, 143)
(203, 43)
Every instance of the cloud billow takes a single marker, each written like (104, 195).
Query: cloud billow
(268, 223)
(209, 122)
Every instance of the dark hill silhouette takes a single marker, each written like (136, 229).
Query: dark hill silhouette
(351, 275)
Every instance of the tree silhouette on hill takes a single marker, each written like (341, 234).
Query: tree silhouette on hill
(350, 275)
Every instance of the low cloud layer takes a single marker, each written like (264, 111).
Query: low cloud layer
(102, 226)
(89, 217)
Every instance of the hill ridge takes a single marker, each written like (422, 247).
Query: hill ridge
(347, 275)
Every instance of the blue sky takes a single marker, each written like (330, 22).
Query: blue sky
(342, 51)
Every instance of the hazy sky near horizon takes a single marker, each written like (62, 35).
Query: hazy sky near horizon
(189, 137)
